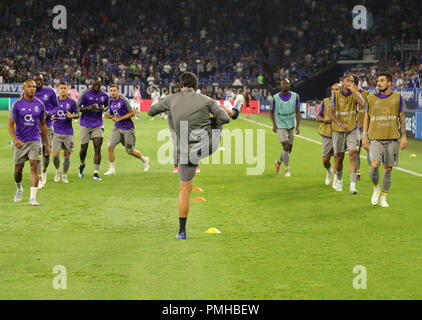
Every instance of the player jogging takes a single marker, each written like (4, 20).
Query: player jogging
(91, 104)
(327, 142)
(343, 113)
(285, 115)
(63, 131)
(123, 130)
(361, 117)
(28, 114)
(381, 134)
(48, 97)
(194, 129)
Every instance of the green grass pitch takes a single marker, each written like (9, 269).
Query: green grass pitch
(281, 238)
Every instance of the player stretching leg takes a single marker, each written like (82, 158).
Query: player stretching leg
(285, 115)
(28, 114)
(123, 131)
(381, 135)
(63, 131)
(188, 110)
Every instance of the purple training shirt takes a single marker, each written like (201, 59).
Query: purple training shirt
(63, 124)
(120, 108)
(28, 115)
(49, 98)
(92, 119)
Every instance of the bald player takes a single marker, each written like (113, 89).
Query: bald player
(285, 115)
(343, 113)
(28, 115)
(48, 97)
(384, 112)
(92, 104)
(198, 135)
(327, 142)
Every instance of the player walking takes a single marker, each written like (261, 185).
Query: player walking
(285, 115)
(381, 134)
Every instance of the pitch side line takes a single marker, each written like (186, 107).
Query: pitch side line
(318, 142)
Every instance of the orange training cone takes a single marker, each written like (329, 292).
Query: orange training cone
(200, 199)
(197, 190)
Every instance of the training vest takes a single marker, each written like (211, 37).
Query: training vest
(285, 111)
(325, 128)
(346, 111)
(361, 111)
(383, 117)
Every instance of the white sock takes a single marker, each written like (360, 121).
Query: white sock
(143, 158)
(33, 193)
(112, 165)
(19, 185)
(329, 170)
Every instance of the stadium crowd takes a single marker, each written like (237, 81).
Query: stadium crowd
(228, 43)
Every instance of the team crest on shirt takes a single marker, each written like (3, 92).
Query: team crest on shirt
(67, 106)
(45, 97)
(102, 99)
(36, 109)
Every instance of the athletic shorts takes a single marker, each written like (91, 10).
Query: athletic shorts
(50, 134)
(63, 142)
(345, 141)
(187, 171)
(125, 137)
(31, 150)
(286, 135)
(90, 133)
(387, 152)
(327, 147)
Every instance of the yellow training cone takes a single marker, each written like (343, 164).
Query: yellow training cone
(200, 199)
(413, 155)
(213, 230)
(197, 190)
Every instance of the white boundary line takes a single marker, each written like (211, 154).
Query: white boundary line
(318, 142)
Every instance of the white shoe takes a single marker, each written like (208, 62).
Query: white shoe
(64, 179)
(339, 186)
(335, 181)
(353, 188)
(110, 172)
(18, 195)
(57, 176)
(44, 179)
(33, 202)
(383, 201)
(146, 164)
(287, 173)
(376, 196)
(40, 185)
(328, 177)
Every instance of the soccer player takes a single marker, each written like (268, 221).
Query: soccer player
(92, 104)
(155, 96)
(343, 113)
(285, 115)
(248, 98)
(123, 131)
(361, 116)
(190, 113)
(28, 114)
(48, 97)
(234, 110)
(381, 134)
(137, 102)
(63, 131)
(327, 142)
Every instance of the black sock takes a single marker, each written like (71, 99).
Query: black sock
(182, 222)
